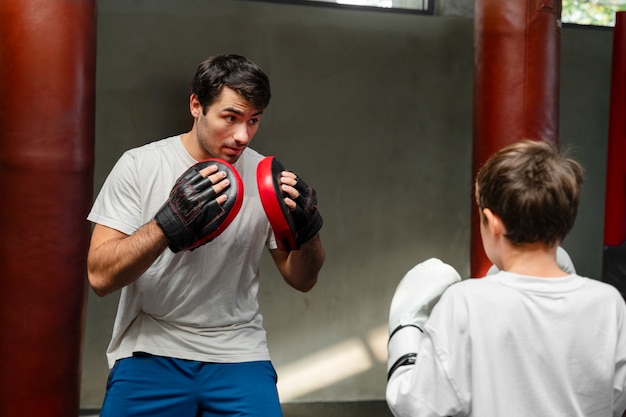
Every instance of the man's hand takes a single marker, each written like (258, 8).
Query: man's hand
(290, 204)
(202, 203)
(302, 202)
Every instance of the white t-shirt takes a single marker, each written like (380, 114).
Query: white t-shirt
(511, 345)
(197, 305)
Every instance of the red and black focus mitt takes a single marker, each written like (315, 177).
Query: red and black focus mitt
(192, 216)
(292, 227)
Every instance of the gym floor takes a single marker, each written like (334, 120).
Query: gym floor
(326, 409)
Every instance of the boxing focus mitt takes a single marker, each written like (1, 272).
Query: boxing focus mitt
(191, 216)
(292, 228)
(414, 298)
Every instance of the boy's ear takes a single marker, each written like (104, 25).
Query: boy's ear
(494, 223)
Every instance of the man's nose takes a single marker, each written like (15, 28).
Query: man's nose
(243, 134)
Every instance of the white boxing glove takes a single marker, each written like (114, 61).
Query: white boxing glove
(416, 295)
(418, 292)
(562, 258)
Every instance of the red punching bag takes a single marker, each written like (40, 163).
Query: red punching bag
(614, 256)
(47, 107)
(516, 85)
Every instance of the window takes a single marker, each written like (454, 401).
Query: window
(386, 4)
(591, 12)
(413, 6)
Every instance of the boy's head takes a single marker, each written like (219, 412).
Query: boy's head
(534, 190)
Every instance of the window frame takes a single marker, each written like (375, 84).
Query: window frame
(429, 10)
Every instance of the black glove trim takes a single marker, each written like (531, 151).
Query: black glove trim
(407, 359)
(402, 326)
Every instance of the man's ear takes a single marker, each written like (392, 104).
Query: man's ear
(494, 223)
(195, 108)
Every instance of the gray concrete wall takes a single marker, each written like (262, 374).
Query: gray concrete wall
(374, 109)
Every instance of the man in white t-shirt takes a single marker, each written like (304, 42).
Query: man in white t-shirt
(188, 338)
(529, 339)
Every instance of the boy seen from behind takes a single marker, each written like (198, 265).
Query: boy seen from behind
(529, 340)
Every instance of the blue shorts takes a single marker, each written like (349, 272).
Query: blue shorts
(154, 386)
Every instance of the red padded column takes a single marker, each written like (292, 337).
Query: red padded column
(614, 257)
(615, 209)
(516, 84)
(47, 87)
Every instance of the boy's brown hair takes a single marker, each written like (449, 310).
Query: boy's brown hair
(534, 189)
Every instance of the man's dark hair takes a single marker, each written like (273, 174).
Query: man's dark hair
(236, 72)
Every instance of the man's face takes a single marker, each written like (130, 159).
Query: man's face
(228, 126)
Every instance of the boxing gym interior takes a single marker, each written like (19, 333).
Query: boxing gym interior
(387, 112)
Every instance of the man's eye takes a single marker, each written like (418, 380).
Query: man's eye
(230, 118)
(253, 121)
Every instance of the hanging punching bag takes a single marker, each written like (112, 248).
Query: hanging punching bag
(614, 256)
(47, 74)
(516, 85)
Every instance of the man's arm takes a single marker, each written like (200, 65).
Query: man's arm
(191, 217)
(300, 268)
(116, 259)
